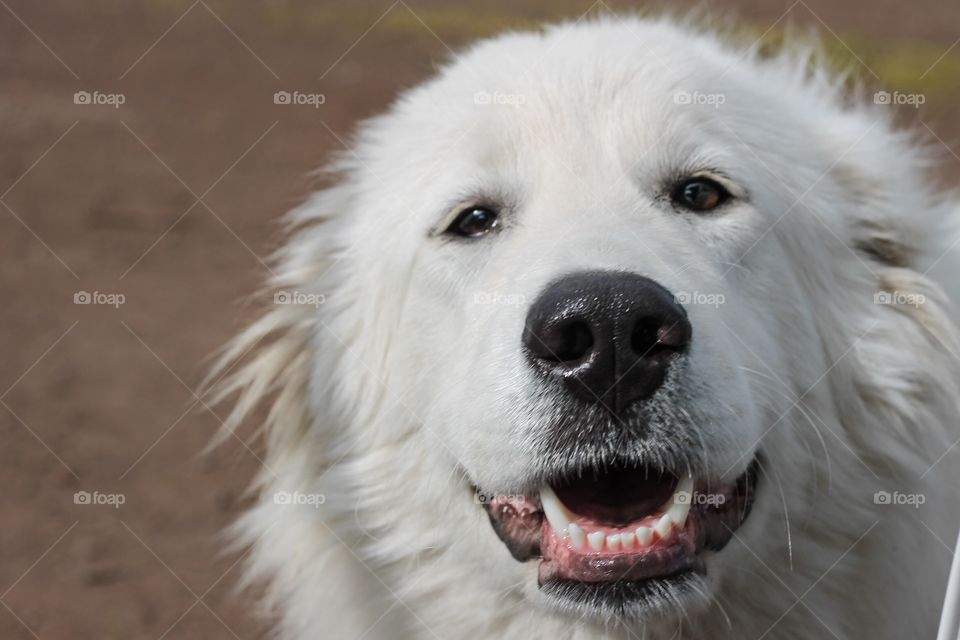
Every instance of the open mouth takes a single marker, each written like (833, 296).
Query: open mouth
(621, 524)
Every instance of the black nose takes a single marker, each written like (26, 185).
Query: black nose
(609, 336)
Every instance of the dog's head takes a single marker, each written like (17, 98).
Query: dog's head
(587, 300)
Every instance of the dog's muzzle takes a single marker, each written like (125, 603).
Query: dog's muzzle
(604, 341)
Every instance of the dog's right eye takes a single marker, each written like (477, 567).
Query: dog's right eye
(473, 222)
(699, 194)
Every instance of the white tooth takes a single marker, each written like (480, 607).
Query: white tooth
(628, 540)
(678, 513)
(644, 536)
(613, 541)
(664, 526)
(556, 513)
(682, 498)
(684, 485)
(596, 540)
(578, 537)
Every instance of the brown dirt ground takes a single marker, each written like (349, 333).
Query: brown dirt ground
(96, 398)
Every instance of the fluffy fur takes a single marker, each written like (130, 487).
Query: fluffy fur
(405, 389)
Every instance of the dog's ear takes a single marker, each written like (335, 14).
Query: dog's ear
(270, 362)
(904, 371)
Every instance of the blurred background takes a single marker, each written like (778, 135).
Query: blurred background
(144, 162)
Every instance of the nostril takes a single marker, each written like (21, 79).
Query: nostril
(564, 342)
(574, 341)
(675, 335)
(651, 336)
(645, 339)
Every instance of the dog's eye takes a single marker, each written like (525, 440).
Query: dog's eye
(473, 222)
(699, 194)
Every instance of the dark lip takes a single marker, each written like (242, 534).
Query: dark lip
(522, 527)
(625, 599)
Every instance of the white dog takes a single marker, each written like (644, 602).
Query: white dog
(612, 330)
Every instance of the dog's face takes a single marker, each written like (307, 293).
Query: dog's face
(578, 284)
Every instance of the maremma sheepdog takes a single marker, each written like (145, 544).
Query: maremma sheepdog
(610, 330)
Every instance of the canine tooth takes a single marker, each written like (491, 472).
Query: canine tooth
(678, 514)
(682, 498)
(596, 540)
(556, 513)
(613, 541)
(644, 536)
(628, 540)
(664, 526)
(578, 537)
(685, 487)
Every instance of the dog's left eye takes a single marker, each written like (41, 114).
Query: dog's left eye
(699, 194)
(473, 222)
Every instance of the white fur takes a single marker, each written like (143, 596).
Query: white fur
(403, 390)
